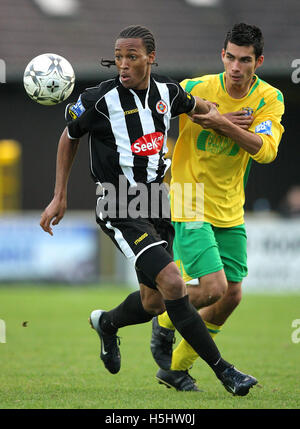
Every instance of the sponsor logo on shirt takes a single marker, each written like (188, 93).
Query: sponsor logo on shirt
(214, 143)
(130, 112)
(138, 240)
(264, 128)
(161, 107)
(150, 144)
(77, 109)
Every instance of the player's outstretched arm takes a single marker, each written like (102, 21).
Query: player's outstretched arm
(55, 211)
(250, 142)
(201, 107)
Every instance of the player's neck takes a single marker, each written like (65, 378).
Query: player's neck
(236, 90)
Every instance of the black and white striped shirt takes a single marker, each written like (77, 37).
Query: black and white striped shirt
(128, 129)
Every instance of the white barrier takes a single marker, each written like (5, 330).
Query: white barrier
(273, 256)
(72, 254)
(27, 253)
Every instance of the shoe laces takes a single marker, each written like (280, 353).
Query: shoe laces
(190, 377)
(188, 381)
(112, 342)
(167, 338)
(238, 375)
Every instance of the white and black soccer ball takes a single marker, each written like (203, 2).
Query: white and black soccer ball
(49, 79)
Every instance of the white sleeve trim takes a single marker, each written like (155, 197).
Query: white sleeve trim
(70, 137)
(194, 104)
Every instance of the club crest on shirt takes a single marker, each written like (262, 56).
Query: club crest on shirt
(248, 111)
(161, 107)
(150, 144)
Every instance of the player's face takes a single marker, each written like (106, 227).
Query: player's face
(240, 64)
(133, 63)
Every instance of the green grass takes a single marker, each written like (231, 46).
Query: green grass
(53, 362)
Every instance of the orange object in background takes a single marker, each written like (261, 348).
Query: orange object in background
(10, 175)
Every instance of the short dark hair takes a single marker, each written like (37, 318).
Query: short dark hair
(135, 32)
(139, 32)
(246, 35)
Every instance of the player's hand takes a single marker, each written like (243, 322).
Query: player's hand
(213, 119)
(52, 214)
(240, 119)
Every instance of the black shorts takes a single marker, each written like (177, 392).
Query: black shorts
(145, 242)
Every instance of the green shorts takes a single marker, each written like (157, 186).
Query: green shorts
(201, 248)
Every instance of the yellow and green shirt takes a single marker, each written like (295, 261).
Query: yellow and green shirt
(216, 162)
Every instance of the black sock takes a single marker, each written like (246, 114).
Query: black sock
(220, 366)
(129, 312)
(190, 325)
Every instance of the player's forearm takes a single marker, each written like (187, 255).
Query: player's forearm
(201, 106)
(250, 142)
(66, 152)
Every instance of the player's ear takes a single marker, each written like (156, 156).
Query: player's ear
(259, 61)
(151, 58)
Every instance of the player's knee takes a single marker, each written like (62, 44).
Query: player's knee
(234, 293)
(170, 282)
(218, 290)
(217, 286)
(210, 292)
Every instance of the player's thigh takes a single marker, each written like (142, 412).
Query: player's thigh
(135, 238)
(131, 236)
(196, 250)
(156, 256)
(232, 244)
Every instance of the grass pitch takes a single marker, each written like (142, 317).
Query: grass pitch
(53, 362)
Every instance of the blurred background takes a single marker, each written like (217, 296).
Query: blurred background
(189, 36)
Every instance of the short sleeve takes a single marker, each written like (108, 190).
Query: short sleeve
(79, 116)
(183, 102)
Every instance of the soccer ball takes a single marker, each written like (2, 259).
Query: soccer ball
(49, 79)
